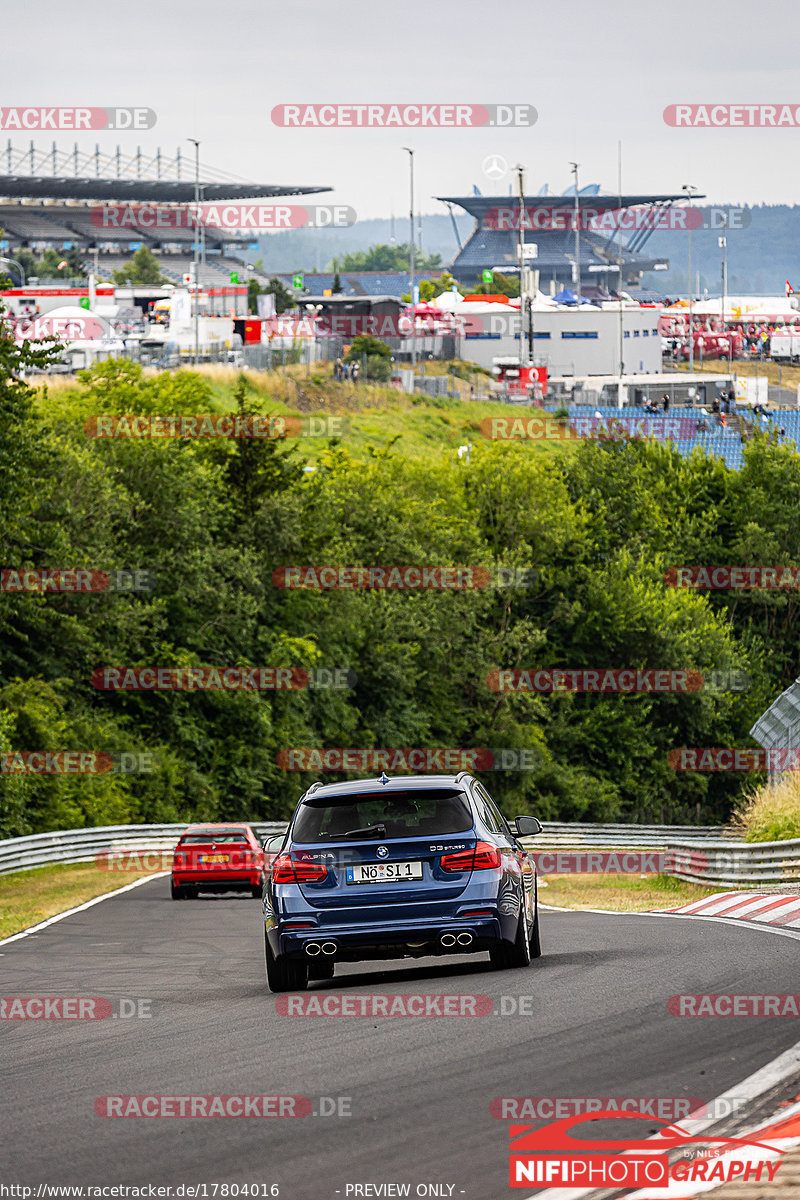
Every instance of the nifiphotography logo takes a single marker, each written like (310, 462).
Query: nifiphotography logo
(551, 1157)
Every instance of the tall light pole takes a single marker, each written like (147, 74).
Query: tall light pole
(577, 235)
(723, 244)
(521, 251)
(196, 145)
(619, 276)
(689, 188)
(410, 153)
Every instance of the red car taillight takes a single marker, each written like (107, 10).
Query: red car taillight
(284, 870)
(485, 857)
(179, 860)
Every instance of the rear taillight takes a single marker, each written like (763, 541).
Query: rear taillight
(179, 860)
(484, 857)
(285, 870)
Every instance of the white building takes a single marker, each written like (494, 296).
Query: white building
(568, 341)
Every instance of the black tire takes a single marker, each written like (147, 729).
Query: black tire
(321, 970)
(536, 940)
(176, 891)
(256, 890)
(504, 956)
(284, 975)
(190, 891)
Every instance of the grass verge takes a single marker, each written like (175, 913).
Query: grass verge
(623, 893)
(28, 897)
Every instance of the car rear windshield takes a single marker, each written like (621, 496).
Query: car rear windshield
(213, 835)
(424, 813)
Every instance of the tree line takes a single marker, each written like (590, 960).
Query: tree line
(586, 539)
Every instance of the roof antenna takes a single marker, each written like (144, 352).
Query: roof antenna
(384, 778)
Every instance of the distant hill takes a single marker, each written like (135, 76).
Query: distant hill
(313, 249)
(760, 257)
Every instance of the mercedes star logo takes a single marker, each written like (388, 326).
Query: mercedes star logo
(495, 166)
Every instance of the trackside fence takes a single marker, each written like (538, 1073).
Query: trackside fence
(696, 854)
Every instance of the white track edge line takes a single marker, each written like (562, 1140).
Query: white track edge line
(15, 937)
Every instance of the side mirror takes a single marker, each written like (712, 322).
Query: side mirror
(273, 843)
(527, 826)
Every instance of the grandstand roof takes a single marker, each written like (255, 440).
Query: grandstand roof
(496, 249)
(145, 191)
(479, 206)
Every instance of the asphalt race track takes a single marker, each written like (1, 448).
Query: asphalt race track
(419, 1088)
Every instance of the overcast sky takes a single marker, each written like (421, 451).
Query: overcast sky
(597, 72)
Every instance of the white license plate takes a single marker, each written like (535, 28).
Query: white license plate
(384, 872)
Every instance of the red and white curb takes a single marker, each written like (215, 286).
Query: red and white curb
(766, 908)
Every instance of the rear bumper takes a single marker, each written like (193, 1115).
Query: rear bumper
(218, 880)
(387, 939)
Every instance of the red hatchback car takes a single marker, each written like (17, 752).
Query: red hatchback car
(217, 858)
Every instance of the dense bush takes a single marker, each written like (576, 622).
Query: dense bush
(213, 519)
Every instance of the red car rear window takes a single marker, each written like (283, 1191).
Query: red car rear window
(210, 835)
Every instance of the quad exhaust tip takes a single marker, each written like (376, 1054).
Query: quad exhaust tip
(448, 939)
(313, 949)
(329, 948)
(465, 939)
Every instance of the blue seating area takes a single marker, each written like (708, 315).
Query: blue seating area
(716, 440)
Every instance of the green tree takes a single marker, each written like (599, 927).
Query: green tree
(389, 258)
(143, 270)
(284, 299)
(501, 285)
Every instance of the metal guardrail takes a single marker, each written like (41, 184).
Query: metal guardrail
(718, 862)
(692, 853)
(567, 834)
(84, 845)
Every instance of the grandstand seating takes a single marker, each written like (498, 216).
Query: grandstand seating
(34, 224)
(717, 441)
